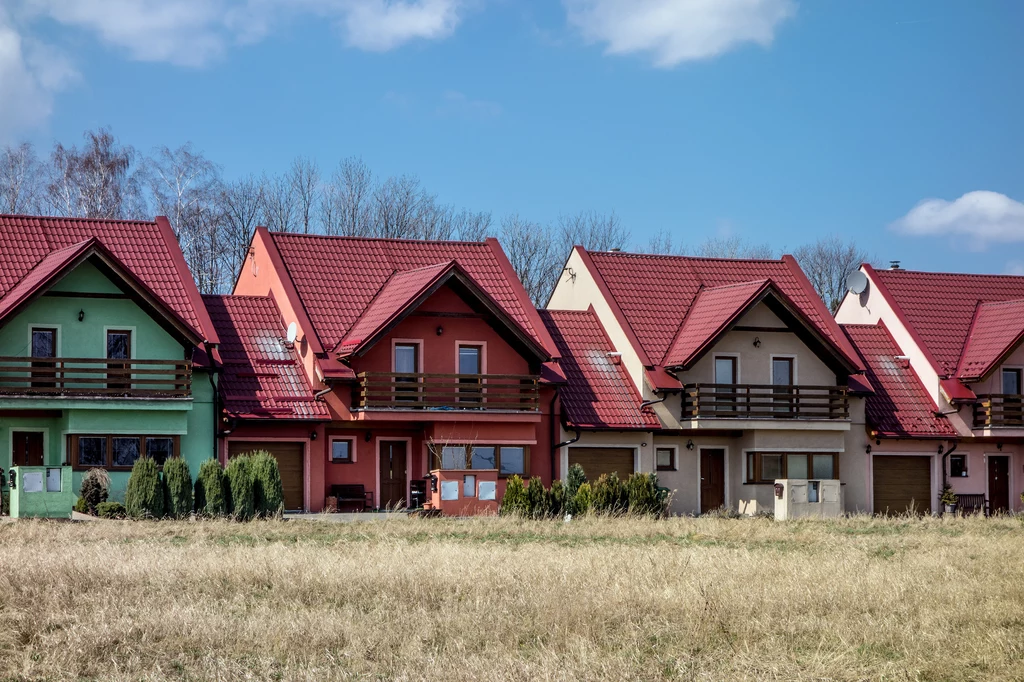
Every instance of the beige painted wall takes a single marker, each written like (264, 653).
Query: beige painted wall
(994, 384)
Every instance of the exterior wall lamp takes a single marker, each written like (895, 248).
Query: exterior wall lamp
(81, 315)
(689, 445)
(440, 330)
(757, 342)
(868, 449)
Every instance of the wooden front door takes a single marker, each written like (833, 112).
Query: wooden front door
(28, 449)
(712, 479)
(999, 483)
(392, 474)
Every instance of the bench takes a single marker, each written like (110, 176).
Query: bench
(352, 494)
(971, 504)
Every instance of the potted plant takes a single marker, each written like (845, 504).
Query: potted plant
(948, 499)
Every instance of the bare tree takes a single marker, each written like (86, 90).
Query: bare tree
(664, 243)
(827, 263)
(21, 180)
(734, 247)
(95, 182)
(592, 230)
(278, 203)
(345, 200)
(473, 227)
(304, 178)
(241, 213)
(528, 246)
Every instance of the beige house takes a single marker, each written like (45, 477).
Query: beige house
(744, 371)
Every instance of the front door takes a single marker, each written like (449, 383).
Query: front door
(392, 474)
(782, 382)
(712, 479)
(999, 483)
(28, 449)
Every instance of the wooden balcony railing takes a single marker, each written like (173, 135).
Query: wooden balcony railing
(493, 392)
(95, 377)
(999, 410)
(756, 401)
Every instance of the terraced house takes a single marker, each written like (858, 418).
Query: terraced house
(721, 375)
(106, 350)
(386, 372)
(945, 361)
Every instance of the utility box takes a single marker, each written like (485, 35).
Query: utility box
(797, 498)
(41, 492)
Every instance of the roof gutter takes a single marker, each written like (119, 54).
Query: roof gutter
(945, 456)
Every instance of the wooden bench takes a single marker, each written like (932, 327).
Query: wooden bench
(352, 494)
(971, 504)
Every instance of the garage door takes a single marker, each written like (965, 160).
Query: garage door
(289, 461)
(597, 461)
(902, 484)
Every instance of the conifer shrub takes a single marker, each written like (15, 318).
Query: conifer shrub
(574, 478)
(241, 501)
(5, 503)
(177, 488)
(81, 506)
(609, 495)
(645, 497)
(94, 490)
(144, 497)
(513, 502)
(111, 510)
(536, 499)
(268, 492)
(556, 502)
(583, 499)
(209, 499)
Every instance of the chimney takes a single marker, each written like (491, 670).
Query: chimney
(894, 265)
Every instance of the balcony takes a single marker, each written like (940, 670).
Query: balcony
(994, 411)
(94, 378)
(469, 392)
(755, 401)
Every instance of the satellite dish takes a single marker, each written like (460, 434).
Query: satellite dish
(857, 282)
(293, 331)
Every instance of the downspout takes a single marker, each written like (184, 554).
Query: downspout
(558, 446)
(944, 457)
(216, 402)
(321, 393)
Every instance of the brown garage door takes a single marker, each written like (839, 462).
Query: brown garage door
(902, 484)
(289, 461)
(597, 461)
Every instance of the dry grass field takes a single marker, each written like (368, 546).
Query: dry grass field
(597, 599)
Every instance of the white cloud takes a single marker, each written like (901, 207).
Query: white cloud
(380, 25)
(455, 104)
(675, 31)
(984, 217)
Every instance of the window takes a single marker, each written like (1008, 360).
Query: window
(1011, 381)
(341, 450)
(507, 459)
(119, 347)
(666, 459)
(119, 451)
(469, 363)
(725, 378)
(407, 361)
(782, 384)
(44, 345)
(957, 465)
(766, 467)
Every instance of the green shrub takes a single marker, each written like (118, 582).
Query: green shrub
(209, 497)
(268, 492)
(95, 489)
(536, 499)
(81, 506)
(513, 502)
(241, 502)
(144, 497)
(583, 499)
(177, 488)
(574, 479)
(609, 495)
(111, 510)
(5, 503)
(556, 499)
(645, 497)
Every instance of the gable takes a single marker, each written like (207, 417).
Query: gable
(86, 278)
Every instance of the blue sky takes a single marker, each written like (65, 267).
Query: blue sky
(773, 120)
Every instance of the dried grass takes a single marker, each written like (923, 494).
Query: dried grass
(597, 599)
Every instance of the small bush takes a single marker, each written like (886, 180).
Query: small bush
(95, 489)
(536, 499)
(177, 488)
(241, 502)
(144, 497)
(609, 495)
(209, 497)
(5, 503)
(574, 479)
(268, 492)
(513, 502)
(81, 506)
(556, 499)
(111, 510)
(583, 499)
(645, 498)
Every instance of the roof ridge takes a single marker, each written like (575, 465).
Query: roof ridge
(686, 257)
(407, 240)
(43, 218)
(948, 274)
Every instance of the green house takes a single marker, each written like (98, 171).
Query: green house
(106, 350)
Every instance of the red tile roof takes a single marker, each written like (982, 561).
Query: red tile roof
(46, 270)
(998, 328)
(900, 406)
(148, 249)
(599, 394)
(262, 377)
(939, 307)
(653, 293)
(397, 294)
(337, 277)
(710, 314)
